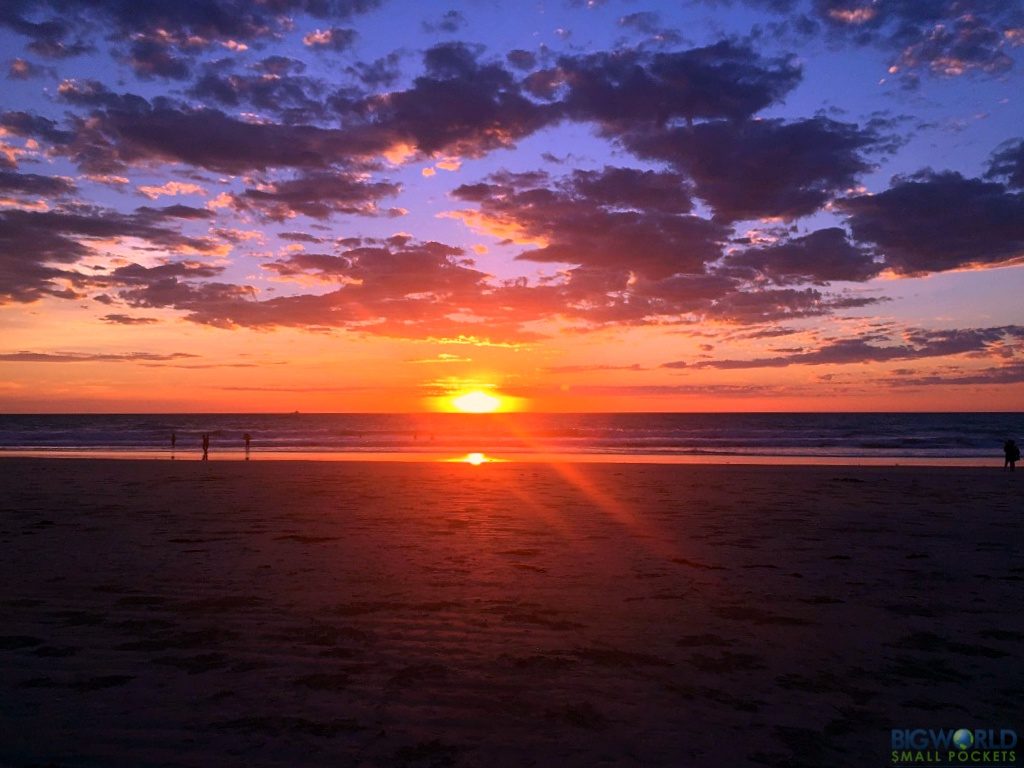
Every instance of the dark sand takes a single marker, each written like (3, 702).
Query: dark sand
(336, 614)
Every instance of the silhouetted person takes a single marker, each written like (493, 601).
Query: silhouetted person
(248, 439)
(1012, 452)
(206, 446)
(174, 441)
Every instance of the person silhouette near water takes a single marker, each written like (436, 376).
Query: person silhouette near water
(248, 439)
(174, 441)
(1012, 453)
(206, 446)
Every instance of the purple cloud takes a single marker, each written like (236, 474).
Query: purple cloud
(934, 222)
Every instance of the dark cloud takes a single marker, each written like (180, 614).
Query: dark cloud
(819, 257)
(643, 258)
(761, 168)
(149, 214)
(37, 246)
(189, 21)
(118, 319)
(300, 237)
(48, 36)
(127, 129)
(53, 49)
(461, 106)
(521, 59)
(276, 66)
(619, 218)
(407, 289)
(389, 273)
(917, 344)
(402, 290)
(767, 332)
(629, 188)
(379, 73)
(323, 266)
(933, 222)
(36, 127)
(317, 195)
(83, 357)
(136, 274)
(155, 57)
(688, 292)
(34, 184)
(25, 279)
(623, 89)
(295, 98)
(1008, 163)
(749, 306)
(209, 303)
(93, 93)
(452, 60)
(1012, 373)
(690, 299)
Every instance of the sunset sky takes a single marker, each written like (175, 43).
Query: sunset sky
(361, 205)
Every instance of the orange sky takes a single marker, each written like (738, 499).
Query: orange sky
(237, 370)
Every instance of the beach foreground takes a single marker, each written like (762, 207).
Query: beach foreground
(335, 614)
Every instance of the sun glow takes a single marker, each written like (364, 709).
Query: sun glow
(476, 402)
(476, 459)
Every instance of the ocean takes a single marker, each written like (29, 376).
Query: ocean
(968, 437)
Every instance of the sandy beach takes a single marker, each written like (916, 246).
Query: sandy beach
(162, 613)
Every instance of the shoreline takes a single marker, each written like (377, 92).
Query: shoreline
(440, 457)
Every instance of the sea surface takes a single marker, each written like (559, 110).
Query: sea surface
(974, 437)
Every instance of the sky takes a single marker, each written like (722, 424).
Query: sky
(371, 205)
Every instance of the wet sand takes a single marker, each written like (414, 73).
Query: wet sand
(161, 613)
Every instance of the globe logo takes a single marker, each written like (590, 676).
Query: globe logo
(963, 738)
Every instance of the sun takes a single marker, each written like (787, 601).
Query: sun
(476, 402)
(473, 396)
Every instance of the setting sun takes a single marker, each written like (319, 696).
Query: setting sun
(476, 402)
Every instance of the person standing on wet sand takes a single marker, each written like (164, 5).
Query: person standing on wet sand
(248, 439)
(1012, 453)
(206, 446)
